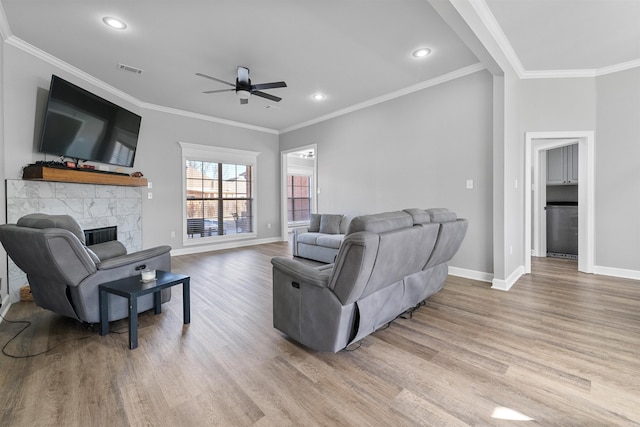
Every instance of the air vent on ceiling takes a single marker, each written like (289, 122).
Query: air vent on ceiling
(129, 68)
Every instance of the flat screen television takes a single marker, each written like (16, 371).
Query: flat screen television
(83, 126)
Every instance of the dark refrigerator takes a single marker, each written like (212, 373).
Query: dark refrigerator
(562, 229)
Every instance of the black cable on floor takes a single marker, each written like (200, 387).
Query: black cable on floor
(27, 324)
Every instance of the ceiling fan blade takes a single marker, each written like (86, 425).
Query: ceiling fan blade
(214, 79)
(217, 91)
(261, 86)
(243, 75)
(244, 101)
(265, 95)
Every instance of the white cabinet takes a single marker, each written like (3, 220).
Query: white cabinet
(562, 165)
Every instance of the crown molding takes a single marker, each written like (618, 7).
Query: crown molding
(76, 72)
(491, 24)
(557, 74)
(68, 68)
(384, 98)
(618, 67)
(189, 114)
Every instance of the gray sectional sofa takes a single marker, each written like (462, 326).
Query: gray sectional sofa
(321, 241)
(387, 264)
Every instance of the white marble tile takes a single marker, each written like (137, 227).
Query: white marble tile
(133, 192)
(18, 207)
(71, 207)
(89, 223)
(128, 207)
(65, 190)
(96, 208)
(111, 191)
(21, 189)
(129, 223)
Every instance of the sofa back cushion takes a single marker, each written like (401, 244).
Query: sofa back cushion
(330, 223)
(378, 251)
(380, 223)
(314, 223)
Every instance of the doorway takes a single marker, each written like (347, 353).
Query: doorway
(536, 145)
(299, 164)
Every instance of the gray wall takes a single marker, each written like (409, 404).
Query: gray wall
(414, 151)
(617, 176)
(159, 157)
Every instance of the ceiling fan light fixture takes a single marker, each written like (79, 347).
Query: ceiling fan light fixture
(422, 52)
(243, 94)
(116, 23)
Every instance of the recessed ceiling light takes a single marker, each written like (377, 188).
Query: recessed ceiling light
(318, 96)
(422, 52)
(114, 23)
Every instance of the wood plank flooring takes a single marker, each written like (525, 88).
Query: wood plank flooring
(561, 348)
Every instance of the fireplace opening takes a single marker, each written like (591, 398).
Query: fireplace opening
(100, 235)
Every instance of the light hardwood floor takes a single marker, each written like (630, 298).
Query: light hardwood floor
(561, 348)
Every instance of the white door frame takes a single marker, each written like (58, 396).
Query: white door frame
(284, 167)
(537, 143)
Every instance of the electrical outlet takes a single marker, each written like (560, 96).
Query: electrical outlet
(268, 225)
(149, 184)
(173, 234)
(469, 184)
(149, 195)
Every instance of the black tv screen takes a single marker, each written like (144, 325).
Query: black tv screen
(83, 126)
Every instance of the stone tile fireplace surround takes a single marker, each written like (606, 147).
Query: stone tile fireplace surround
(92, 205)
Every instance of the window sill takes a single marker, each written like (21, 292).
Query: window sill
(218, 239)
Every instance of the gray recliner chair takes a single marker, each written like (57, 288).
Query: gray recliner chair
(64, 274)
(387, 264)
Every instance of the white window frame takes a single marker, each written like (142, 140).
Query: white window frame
(208, 153)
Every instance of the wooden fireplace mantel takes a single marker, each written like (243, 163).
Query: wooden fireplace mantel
(43, 173)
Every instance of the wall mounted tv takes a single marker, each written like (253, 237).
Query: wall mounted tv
(84, 126)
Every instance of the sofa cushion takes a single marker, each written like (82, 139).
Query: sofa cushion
(314, 223)
(442, 215)
(420, 216)
(330, 240)
(380, 223)
(308, 238)
(330, 224)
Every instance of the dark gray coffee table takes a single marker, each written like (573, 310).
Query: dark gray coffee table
(132, 288)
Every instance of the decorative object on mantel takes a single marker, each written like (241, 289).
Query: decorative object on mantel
(137, 175)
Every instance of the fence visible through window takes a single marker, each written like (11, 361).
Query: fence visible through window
(219, 199)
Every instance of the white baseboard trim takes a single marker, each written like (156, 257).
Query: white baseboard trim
(617, 272)
(505, 285)
(221, 246)
(471, 274)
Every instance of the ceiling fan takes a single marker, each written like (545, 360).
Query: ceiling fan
(244, 88)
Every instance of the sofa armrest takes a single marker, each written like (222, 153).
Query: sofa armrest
(108, 250)
(301, 272)
(134, 258)
(296, 233)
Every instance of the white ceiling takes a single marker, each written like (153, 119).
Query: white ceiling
(351, 50)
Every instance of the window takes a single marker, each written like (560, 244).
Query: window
(298, 198)
(219, 192)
